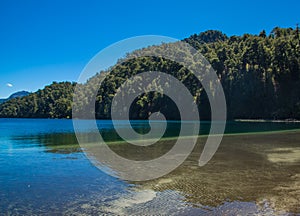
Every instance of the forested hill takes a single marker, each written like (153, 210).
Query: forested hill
(260, 75)
(54, 101)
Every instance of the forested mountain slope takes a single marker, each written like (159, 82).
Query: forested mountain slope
(260, 75)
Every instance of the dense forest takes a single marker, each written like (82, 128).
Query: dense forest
(260, 75)
(54, 101)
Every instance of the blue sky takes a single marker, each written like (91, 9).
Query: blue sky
(45, 41)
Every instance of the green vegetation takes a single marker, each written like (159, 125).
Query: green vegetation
(54, 101)
(260, 75)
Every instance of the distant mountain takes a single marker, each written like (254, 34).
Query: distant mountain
(15, 95)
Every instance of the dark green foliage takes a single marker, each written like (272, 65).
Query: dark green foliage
(54, 101)
(260, 75)
(209, 36)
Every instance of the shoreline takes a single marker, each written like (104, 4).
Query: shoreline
(166, 139)
(224, 135)
(267, 120)
(228, 120)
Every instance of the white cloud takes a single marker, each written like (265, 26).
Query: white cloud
(9, 85)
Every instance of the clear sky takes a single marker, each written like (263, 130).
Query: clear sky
(45, 41)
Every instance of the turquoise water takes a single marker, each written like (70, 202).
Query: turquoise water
(42, 170)
(35, 181)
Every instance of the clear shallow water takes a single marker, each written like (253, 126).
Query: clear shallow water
(42, 171)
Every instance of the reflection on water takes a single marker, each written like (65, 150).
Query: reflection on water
(42, 170)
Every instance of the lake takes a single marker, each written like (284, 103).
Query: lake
(256, 170)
